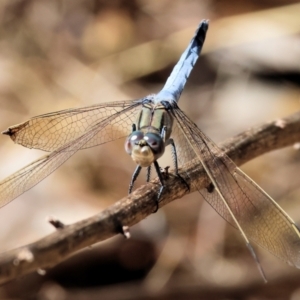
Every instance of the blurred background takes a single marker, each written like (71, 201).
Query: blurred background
(70, 53)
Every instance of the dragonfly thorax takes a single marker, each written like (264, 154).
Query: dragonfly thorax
(146, 148)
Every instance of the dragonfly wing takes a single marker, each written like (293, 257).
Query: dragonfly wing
(237, 198)
(24, 179)
(50, 131)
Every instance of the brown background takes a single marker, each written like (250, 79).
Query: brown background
(61, 54)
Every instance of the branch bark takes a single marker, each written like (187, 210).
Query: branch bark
(130, 210)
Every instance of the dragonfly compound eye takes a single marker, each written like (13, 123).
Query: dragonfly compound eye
(155, 142)
(132, 140)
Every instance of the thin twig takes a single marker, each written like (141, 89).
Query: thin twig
(130, 210)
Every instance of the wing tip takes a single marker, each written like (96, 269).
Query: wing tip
(7, 132)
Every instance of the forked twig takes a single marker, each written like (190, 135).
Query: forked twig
(130, 210)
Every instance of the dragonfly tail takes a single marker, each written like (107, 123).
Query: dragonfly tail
(181, 72)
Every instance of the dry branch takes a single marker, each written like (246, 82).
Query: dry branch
(130, 210)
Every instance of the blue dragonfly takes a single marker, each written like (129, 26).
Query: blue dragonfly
(153, 123)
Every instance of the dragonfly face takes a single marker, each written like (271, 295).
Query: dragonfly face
(144, 149)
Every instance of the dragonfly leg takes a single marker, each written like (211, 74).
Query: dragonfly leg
(134, 177)
(148, 174)
(133, 127)
(175, 161)
(159, 174)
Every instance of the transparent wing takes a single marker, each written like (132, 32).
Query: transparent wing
(104, 131)
(237, 198)
(50, 131)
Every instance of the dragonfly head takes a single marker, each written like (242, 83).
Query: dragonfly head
(144, 149)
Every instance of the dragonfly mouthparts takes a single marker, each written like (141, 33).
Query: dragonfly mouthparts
(142, 143)
(142, 154)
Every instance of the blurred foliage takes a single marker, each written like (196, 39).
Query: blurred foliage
(68, 53)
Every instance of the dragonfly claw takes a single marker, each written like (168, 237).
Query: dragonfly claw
(158, 198)
(183, 181)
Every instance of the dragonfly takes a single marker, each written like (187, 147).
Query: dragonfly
(151, 124)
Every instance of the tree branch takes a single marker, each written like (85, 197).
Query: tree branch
(130, 210)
